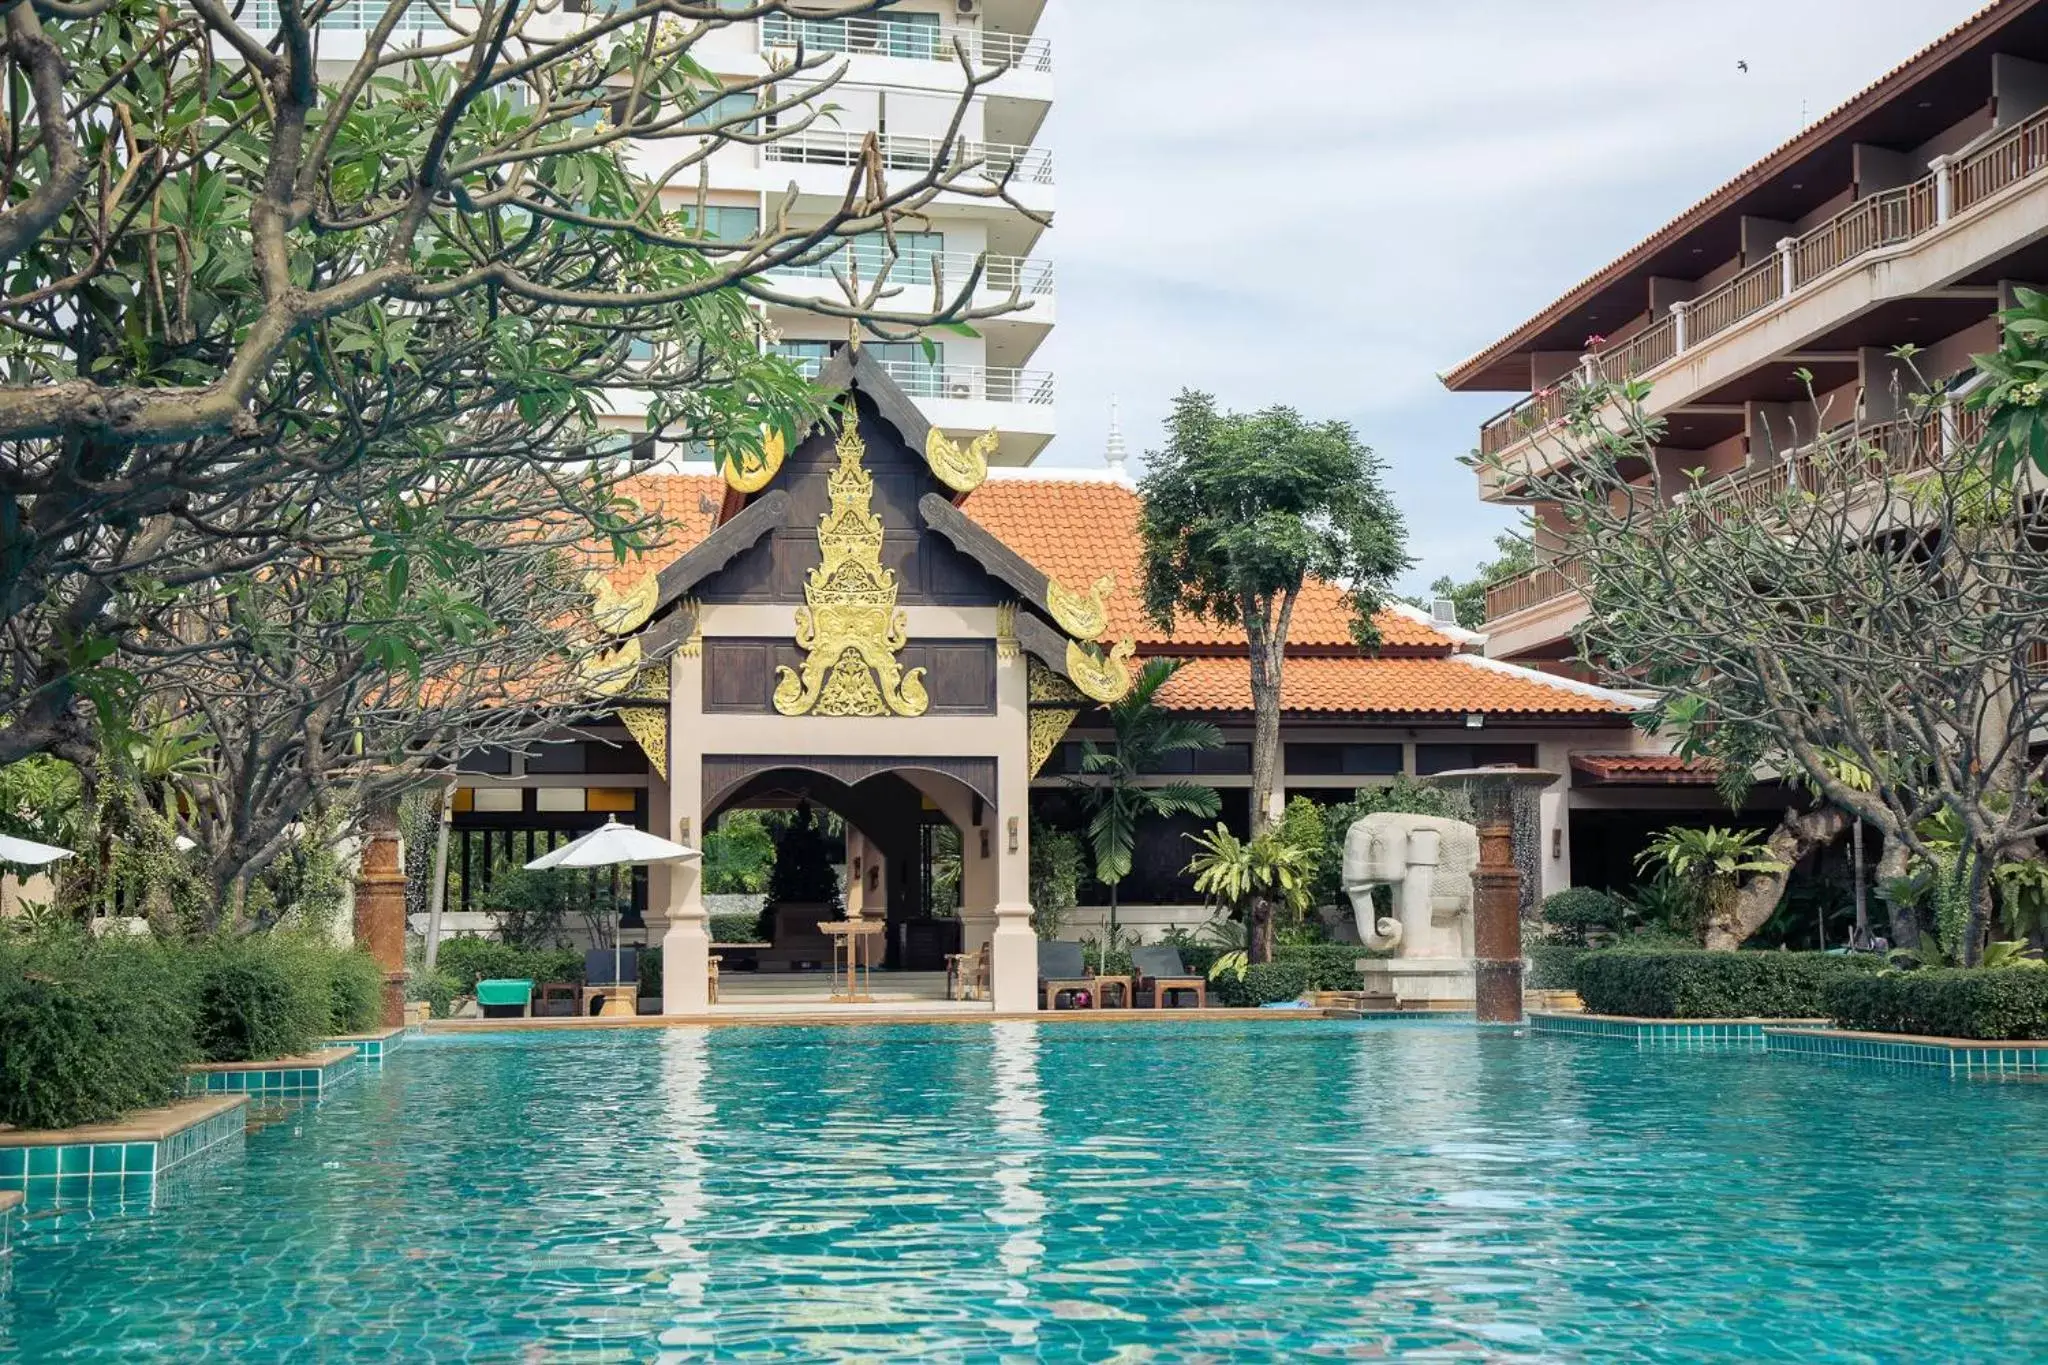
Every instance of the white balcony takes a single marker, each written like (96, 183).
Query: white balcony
(908, 42)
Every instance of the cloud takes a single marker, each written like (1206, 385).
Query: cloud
(1327, 202)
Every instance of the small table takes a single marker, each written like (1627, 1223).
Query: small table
(619, 1001)
(848, 936)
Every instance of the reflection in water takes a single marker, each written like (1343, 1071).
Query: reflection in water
(1018, 1106)
(688, 1120)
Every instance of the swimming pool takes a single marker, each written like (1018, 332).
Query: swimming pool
(1172, 1191)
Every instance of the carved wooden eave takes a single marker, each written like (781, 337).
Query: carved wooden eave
(851, 368)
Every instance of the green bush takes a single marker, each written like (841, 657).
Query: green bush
(1554, 966)
(258, 998)
(1330, 966)
(650, 970)
(1698, 984)
(89, 1030)
(355, 985)
(437, 988)
(470, 959)
(1955, 1002)
(736, 928)
(1579, 911)
(1268, 983)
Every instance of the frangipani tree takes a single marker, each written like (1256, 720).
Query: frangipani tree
(1877, 598)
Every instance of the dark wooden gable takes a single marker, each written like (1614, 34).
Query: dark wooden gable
(929, 569)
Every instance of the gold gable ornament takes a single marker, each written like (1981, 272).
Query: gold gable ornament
(648, 725)
(752, 471)
(1084, 618)
(1102, 677)
(1054, 703)
(620, 613)
(849, 625)
(610, 673)
(963, 471)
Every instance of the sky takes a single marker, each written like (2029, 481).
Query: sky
(1332, 205)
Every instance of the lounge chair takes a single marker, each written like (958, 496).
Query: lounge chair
(1159, 970)
(1063, 970)
(504, 998)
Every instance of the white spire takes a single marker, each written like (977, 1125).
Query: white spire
(1115, 452)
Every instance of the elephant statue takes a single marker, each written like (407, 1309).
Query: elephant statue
(1428, 860)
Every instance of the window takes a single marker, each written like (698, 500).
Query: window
(1343, 760)
(922, 373)
(810, 356)
(726, 222)
(1443, 758)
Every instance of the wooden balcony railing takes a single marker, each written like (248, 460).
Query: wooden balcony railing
(1533, 588)
(1882, 220)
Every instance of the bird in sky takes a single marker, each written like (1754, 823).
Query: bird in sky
(1741, 66)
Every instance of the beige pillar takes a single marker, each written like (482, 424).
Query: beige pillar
(1013, 956)
(686, 944)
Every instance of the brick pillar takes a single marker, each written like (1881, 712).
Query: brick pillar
(380, 905)
(1497, 922)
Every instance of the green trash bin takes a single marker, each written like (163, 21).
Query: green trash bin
(504, 998)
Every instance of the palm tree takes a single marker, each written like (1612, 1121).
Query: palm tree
(1115, 794)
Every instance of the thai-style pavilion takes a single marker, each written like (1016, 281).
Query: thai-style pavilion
(871, 623)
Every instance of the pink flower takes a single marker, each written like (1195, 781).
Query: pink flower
(1595, 342)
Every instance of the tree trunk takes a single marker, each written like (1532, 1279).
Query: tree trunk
(1977, 925)
(1265, 735)
(1733, 918)
(1892, 865)
(1258, 931)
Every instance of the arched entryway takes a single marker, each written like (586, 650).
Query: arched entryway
(918, 855)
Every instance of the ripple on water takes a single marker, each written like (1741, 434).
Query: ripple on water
(1218, 1190)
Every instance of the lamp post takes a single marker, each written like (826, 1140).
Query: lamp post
(1497, 886)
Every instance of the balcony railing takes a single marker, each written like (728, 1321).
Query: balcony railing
(912, 42)
(263, 15)
(1000, 274)
(1874, 223)
(1839, 462)
(994, 160)
(973, 383)
(1539, 585)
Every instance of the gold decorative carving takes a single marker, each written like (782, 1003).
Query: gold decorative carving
(1049, 719)
(1006, 631)
(751, 471)
(849, 625)
(1084, 618)
(610, 673)
(621, 613)
(960, 470)
(648, 725)
(693, 646)
(1102, 677)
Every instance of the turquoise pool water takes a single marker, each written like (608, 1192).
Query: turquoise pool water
(1187, 1191)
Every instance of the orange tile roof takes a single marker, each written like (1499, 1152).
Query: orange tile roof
(1076, 530)
(688, 506)
(1646, 769)
(1447, 686)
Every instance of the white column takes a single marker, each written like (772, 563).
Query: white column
(1678, 323)
(1788, 270)
(1944, 187)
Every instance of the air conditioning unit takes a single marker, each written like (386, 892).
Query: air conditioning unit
(966, 8)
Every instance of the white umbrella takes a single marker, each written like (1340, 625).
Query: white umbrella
(612, 844)
(28, 853)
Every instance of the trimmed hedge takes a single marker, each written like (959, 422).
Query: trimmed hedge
(1577, 911)
(1952, 1002)
(470, 959)
(1698, 984)
(1270, 983)
(89, 1030)
(1554, 966)
(737, 929)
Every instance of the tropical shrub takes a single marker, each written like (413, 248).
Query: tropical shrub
(355, 985)
(1057, 861)
(1982, 1002)
(737, 928)
(257, 998)
(1578, 915)
(1701, 984)
(1269, 983)
(1330, 966)
(1715, 860)
(438, 989)
(738, 853)
(89, 1030)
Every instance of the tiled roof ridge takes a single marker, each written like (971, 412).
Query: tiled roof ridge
(1625, 700)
